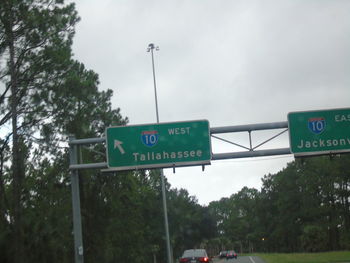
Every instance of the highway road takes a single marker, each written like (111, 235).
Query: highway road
(244, 259)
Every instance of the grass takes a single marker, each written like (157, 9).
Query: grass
(325, 257)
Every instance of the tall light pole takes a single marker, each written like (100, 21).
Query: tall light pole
(150, 48)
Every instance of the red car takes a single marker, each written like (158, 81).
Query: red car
(231, 254)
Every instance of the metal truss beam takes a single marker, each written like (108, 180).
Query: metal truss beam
(251, 151)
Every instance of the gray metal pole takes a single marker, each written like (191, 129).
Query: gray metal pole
(166, 224)
(250, 127)
(155, 86)
(247, 154)
(167, 236)
(78, 236)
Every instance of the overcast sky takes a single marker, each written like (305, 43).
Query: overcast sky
(228, 61)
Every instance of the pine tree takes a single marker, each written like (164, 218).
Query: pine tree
(35, 50)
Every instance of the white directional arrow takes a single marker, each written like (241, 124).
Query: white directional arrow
(119, 145)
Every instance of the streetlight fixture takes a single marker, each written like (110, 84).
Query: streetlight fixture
(150, 48)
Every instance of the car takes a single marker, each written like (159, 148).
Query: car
(231, 254)
(222, 254)
(194, 256)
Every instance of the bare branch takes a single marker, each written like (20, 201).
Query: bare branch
(3, 95)
(6, 118)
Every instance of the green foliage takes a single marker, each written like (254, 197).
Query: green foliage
(325, 257)
(190, 223)
(47, 208)
(304, 207)
(313, 239)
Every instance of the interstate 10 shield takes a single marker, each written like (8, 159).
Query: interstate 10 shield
(149, 138)
(317, 125)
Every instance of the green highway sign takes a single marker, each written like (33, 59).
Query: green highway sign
(158, 145)
(319, 132)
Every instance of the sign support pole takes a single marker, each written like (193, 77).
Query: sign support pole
(165, 209)
(77, 229)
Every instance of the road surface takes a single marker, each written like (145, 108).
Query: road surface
(244, 259)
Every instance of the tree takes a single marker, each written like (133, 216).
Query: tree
(304, 207)
(307, 197)
(35, 48)
(246, 224)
